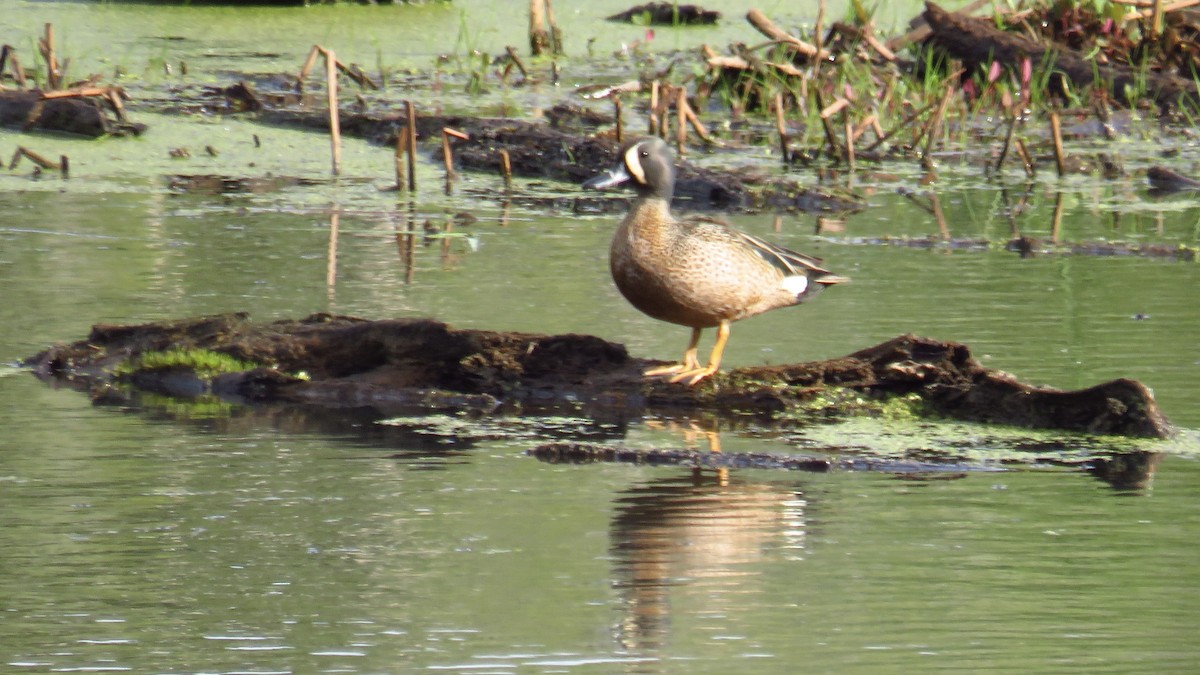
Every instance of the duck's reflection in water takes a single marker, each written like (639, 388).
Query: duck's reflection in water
(697, 535)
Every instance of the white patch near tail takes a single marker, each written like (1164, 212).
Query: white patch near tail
(796, 285)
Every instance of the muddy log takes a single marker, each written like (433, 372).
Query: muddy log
(667, 14)
(27, 110)
(977, 43)
(428, 365)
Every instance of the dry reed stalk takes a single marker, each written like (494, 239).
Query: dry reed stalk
(620, 121)
(681, 120)
(32, 156)
(768, 28)
(653, 125)
(46, 44)
(1012, 127)
(868, 34)
(542, 41)
(1026, 158)
(17, 71)
(309, 62)
(781, 127)
(539, 37)
(935, 128)
(1060, 160)
(871, 121)
(556, 36)
(697, 125)
(360, 78)
(398, 158)
(821, 53)
(506, 168)
(512, 55)
(835, 150)
(850, 145)
(411, 144)
(64, 164)
(335, 126)
(447, 155)
(1167, 9)
(1056, 219)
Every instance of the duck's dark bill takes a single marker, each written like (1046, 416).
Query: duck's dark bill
(607, 179)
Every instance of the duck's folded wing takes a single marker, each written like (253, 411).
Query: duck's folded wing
(788, 261)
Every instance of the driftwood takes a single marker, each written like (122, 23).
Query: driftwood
(426, 365)
(978, 43)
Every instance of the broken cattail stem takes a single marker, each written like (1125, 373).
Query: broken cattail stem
(512, 55)
(935, 128)
(620, 121)
(14, 64)
(556, 36)
(861, 127)
(411, 144)
(539, 37)
(506, 168)
(1026, 158)
(1056, 135)
(398, 157)
(817, 39)
(64, 165)
(113, 96)
(1156, 20)
(335, 126)
(34, 157)
(835, 150)
(4, 52)
(1056, 220)
(653, 127)
(681, 120)
(53, 76)
(307, 67)
(850, 145)
(360, 78)
(697, 125)
(781, 127)
(447, 154)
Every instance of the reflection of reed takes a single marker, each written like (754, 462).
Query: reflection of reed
(704, 536)
(331, 260)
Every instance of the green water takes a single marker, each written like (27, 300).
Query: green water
(168, 539)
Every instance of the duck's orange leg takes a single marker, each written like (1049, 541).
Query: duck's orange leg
(690, 362)
(696, 374)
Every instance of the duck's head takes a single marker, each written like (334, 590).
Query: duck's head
(647, 163)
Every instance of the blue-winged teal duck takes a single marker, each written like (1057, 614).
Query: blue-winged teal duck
(698, 273)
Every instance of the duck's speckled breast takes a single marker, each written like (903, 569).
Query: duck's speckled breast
(695, 274)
